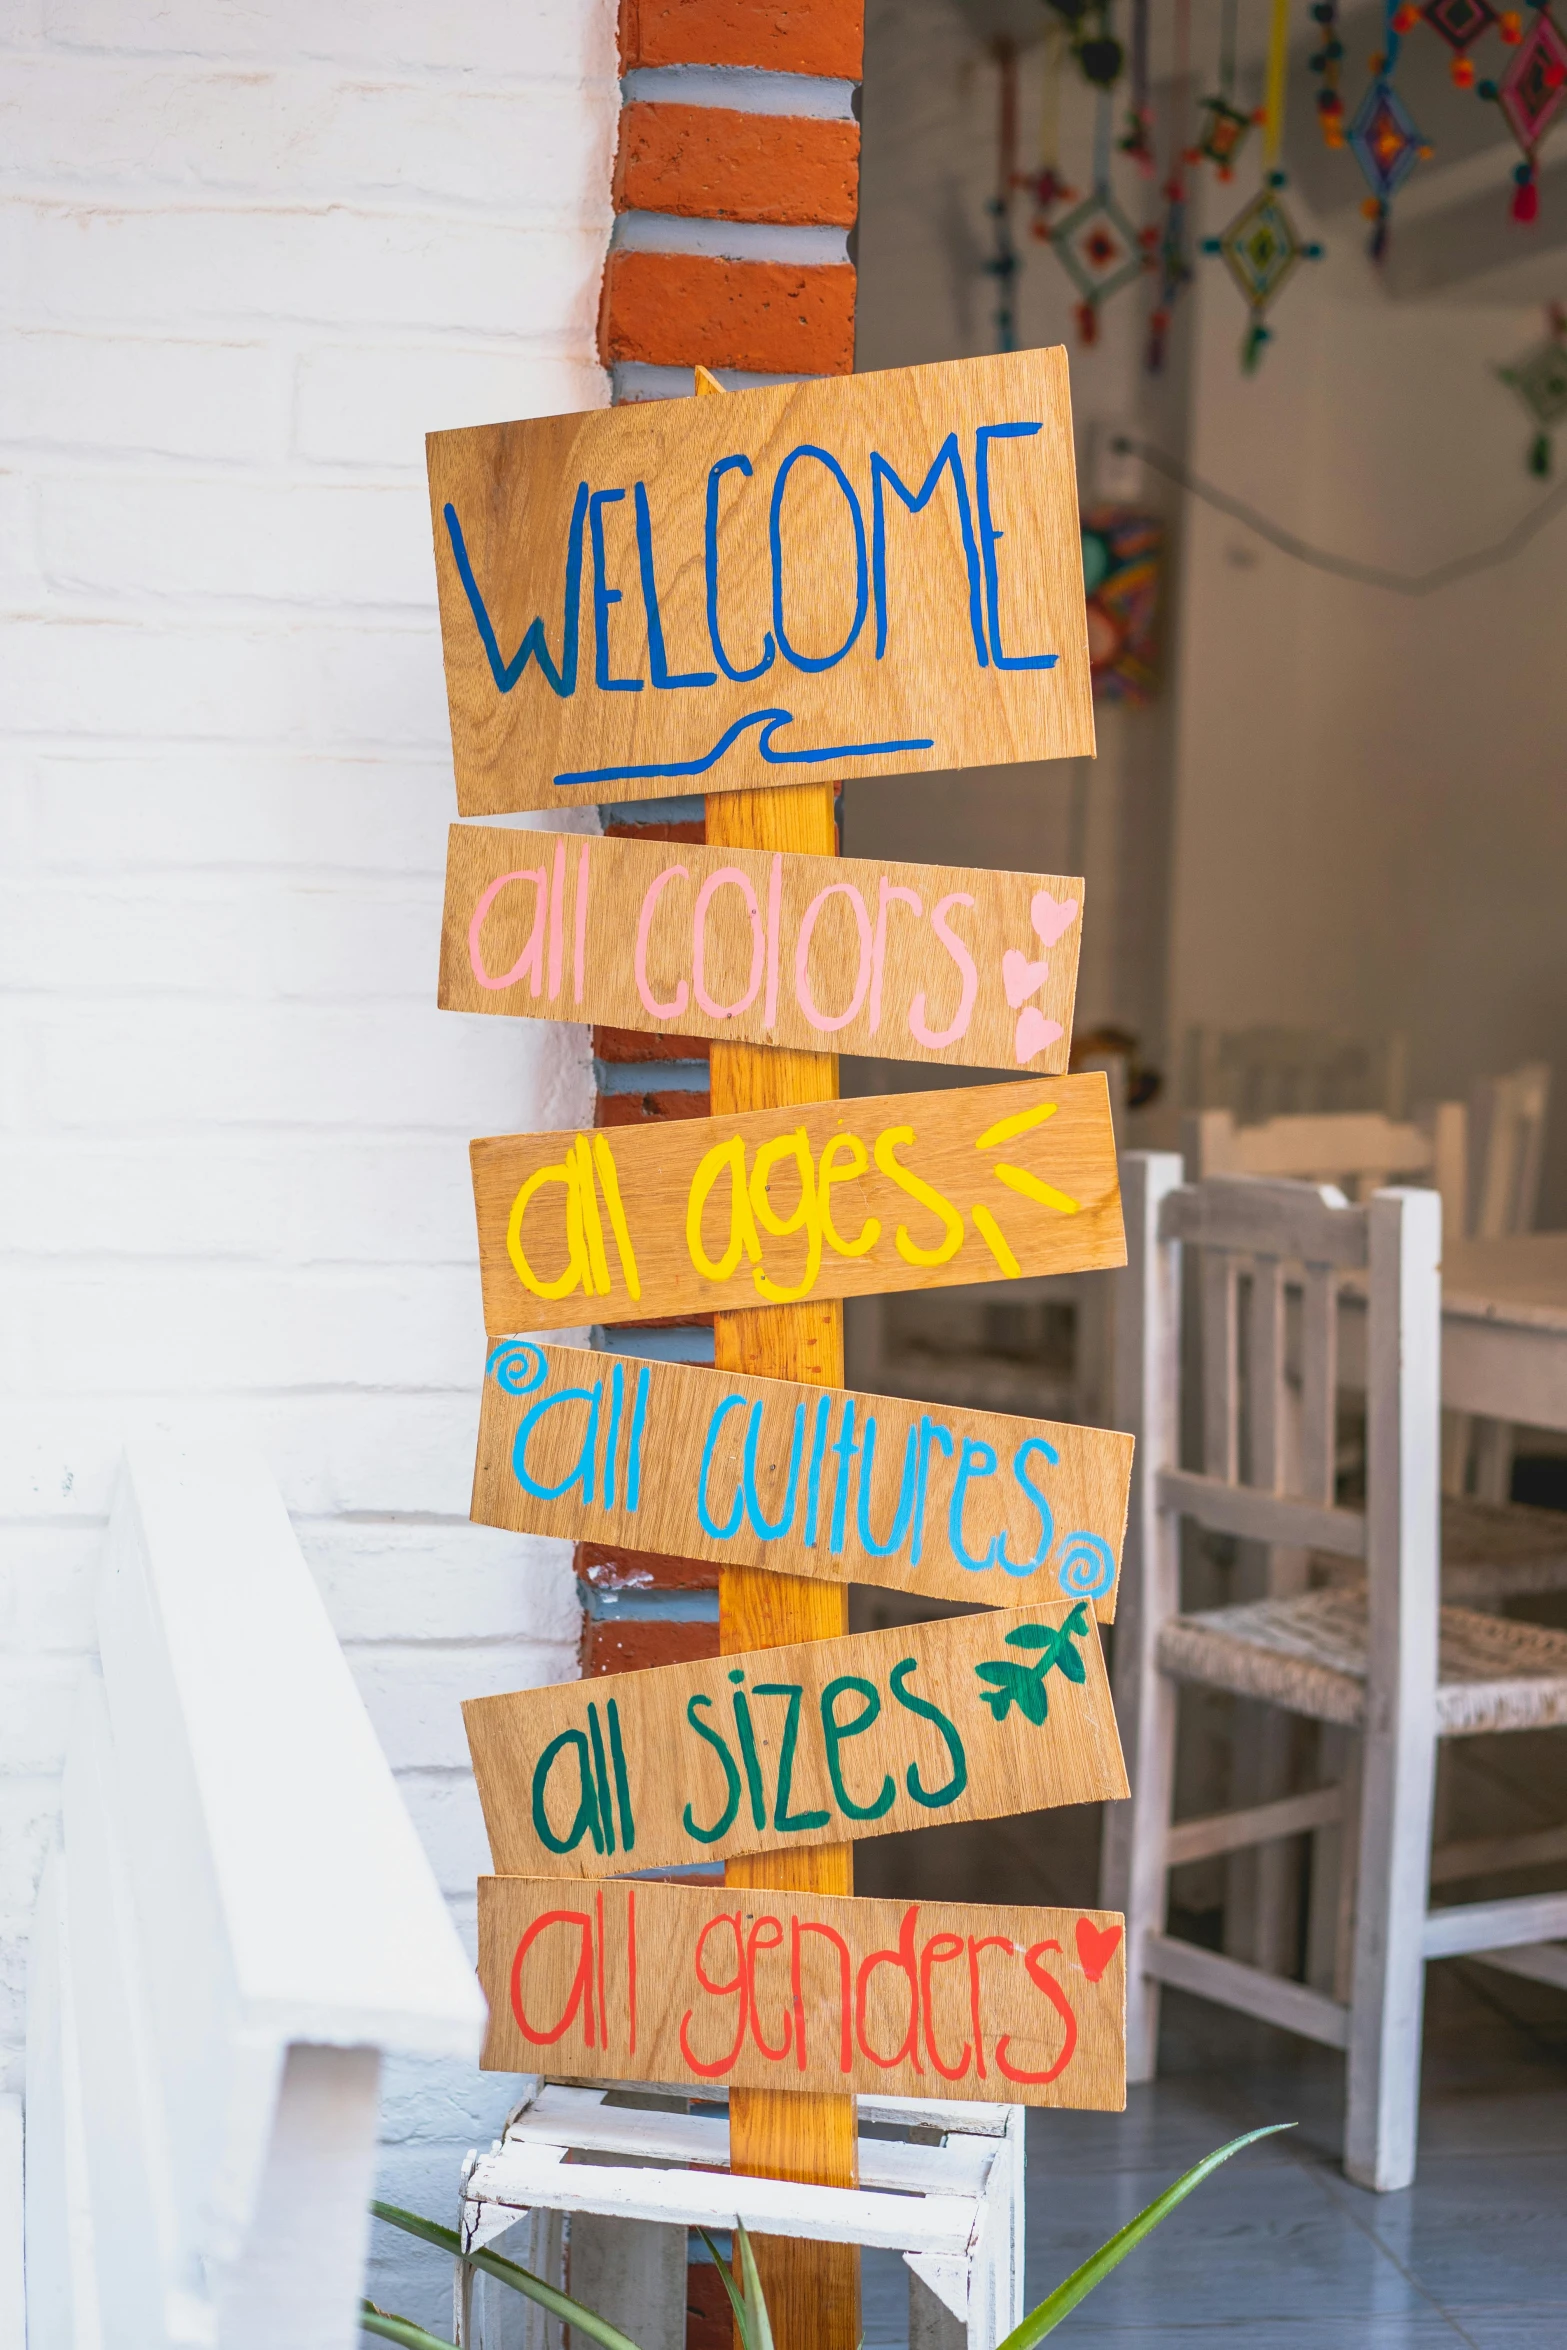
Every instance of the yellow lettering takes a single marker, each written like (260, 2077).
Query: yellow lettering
(565, 1172)
(1008, 1129)
(604, 1160)
(804, 1215)
(859, 1160)
(996, 1241)
(1019, 1179)
(592, 1229)
(908, 1250)
(742, 1227)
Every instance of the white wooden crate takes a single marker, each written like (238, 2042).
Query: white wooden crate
(948, 2196)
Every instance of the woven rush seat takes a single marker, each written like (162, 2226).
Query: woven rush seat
(1309, 1655)
(1492, 1551)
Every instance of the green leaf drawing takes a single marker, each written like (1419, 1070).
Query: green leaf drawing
(1024, 1685)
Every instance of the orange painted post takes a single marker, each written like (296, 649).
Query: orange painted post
(813, 2290)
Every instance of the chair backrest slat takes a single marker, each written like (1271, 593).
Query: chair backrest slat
(1220, 1367)
(1319, 1384)
(1360, 1150)
(1507, 1130)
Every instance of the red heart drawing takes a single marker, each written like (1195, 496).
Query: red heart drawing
(1096, 1946)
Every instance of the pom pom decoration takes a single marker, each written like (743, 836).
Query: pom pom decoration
(1384, 140)
(1262, 247)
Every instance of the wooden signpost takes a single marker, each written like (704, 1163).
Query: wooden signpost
(808, 1199)
(874, 576)
(970, 1718)
(866, 577)
(798, 1992)
(919, 962)
(700, 1464)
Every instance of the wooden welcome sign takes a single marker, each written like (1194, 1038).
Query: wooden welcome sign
(966, 1719)
(752, 1472)
(874, 575)
(832, 1199)
(917, 962)
(804, 1991)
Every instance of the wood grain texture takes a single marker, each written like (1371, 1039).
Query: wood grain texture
(916, 962)
(811, 1200)
(968, 1718)
(883, 640)
(802, 1480)
(943, 1999)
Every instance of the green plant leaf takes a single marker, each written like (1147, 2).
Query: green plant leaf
(495, 2264)
(399, 2329)
(759, 2335)
(1097, 2266)
(736, 2302)
(1032, 1636)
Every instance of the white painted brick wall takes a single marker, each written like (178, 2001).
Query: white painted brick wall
(249, 255)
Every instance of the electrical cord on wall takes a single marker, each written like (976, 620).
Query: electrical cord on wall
(1399, 583)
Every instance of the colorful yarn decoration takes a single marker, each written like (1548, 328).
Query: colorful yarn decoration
(1460, 24)
(1095, 243)
(1172, 256)
(1137, 139)
(1044, 184)
(1222, 133)
(1383, 137)
(1326, 63)
(1262, 247)
(1531, 94)
(1539, 378)
(1004, 263)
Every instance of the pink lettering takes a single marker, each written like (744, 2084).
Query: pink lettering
(681, 997)
(818, 1019)
(557, 916)
(933, 1039)
(732, 877)
(886, 896)
(530, 962)
(579, 942)
(774, 910)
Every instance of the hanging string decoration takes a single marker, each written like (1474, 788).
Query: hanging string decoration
(1383, 136)
(1095, 243)
(1531, 94)
(1172, 257)
(1003, 264)
(1137, 139)
(1222, 132)
(1539, 379)
(1460, 24)
(1044, 185)
(1326, 62)
(1262, 248)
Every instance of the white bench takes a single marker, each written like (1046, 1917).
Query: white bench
(948, 2195)
(237, 1921)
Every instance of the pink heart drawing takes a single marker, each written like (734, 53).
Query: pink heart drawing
(1051, 919)
(1034, 1032)
(1020, 977)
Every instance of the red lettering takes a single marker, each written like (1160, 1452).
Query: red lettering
(977, 1943)
(712, 2072)
(1046, 1982)
(797, 1931)
(754, 1943)
(908, 2049)
(581, 1983)
(937, 1952)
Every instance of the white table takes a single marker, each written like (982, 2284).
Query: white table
(1504, 1328)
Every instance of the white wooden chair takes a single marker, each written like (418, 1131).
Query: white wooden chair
(1268, 1072)
(1359, 1150)
(1380, 1660)
(1506, 1155)
(237, 1920)
(600, 2196)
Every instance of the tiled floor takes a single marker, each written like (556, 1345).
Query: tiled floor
(1279, 2249)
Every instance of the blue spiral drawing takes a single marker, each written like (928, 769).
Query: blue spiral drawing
(1086, 1567)
(517, 1366)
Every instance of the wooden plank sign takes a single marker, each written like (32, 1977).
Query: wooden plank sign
(877, 574)
(753, 1472)
(916, 962)
(969, 1718)
(826, 1200)
(804, 1991)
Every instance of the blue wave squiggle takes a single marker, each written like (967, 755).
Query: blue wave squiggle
(769, 721)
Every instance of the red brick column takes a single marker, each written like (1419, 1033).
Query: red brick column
(736, 181)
